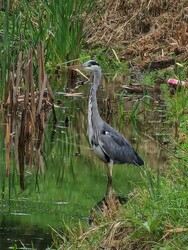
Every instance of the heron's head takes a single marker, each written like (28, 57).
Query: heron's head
(91, 66)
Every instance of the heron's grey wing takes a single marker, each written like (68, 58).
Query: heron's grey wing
(116, 146)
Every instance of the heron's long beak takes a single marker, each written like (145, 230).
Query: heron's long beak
(78, 68)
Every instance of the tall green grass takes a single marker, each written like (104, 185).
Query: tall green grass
(58, 24)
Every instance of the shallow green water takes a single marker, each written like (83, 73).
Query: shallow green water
(70, 180)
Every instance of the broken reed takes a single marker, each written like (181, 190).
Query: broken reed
(33, 101)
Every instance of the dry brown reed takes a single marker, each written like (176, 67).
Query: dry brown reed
(32, 101)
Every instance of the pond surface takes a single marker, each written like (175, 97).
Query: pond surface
(63, 180)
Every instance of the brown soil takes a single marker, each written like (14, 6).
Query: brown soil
(143, 30)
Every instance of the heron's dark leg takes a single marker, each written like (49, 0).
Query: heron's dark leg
(109, 171)
(108, 188)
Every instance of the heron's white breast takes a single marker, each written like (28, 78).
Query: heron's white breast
(99, 152)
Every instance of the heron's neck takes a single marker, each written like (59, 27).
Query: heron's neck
(93, 113)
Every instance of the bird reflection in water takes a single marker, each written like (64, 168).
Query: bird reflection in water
(108, 206)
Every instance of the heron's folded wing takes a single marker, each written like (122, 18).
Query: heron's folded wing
(117, 147)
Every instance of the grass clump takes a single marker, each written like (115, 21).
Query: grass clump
(154, 217)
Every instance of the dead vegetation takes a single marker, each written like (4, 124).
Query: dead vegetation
(27, 105)
(143, 30)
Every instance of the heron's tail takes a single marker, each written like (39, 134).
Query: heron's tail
(138, 161)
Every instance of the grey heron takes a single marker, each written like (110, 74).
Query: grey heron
(107, 143)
